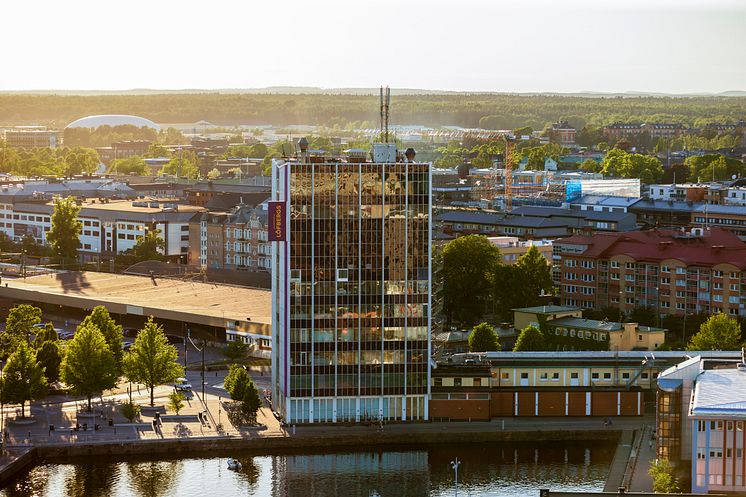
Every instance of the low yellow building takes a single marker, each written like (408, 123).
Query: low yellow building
(568, 330)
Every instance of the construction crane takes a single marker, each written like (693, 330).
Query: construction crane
(509, 143)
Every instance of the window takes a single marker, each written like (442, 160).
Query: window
(543, 376)
(524, 376)
(342, 274)
(477, 382)
(594, 376)
(574, 376)
(644, 376)
(457, 382)
(504, 376)
(665, 269)
(717, 274)
(555, 376)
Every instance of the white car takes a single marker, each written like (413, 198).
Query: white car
(182, 385)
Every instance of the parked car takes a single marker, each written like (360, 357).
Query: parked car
(182, 385)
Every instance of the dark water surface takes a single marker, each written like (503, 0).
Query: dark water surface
(494, 469)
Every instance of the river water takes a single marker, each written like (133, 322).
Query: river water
(495, 469)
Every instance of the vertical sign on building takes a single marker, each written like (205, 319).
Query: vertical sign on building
(277, 228)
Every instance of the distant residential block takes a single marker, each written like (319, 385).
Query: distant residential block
(673, 272)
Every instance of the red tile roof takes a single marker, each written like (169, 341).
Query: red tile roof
(717, 246)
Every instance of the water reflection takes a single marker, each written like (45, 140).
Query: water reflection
(153, 478)
(91, 480)
(487, 470)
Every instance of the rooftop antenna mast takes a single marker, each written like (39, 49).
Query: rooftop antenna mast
(385, 101)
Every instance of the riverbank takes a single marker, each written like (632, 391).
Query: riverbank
(29, 456)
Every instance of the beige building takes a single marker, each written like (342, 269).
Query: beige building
(570, 331)
(32, 137)
(512, 247)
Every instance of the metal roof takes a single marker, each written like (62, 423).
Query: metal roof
(720, 393)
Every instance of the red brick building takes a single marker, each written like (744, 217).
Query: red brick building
(674, 272)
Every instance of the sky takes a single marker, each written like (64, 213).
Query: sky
(669, 46)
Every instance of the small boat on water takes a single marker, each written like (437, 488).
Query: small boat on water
(234, 464)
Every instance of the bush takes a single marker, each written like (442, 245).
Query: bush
(131, 411)
(663, 478)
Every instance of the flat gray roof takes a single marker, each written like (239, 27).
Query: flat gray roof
(720, 393)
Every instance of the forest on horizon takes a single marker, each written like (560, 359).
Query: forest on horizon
(489, 111)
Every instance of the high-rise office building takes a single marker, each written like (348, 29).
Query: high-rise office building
(351, 287)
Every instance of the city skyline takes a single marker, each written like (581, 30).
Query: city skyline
(536, 46)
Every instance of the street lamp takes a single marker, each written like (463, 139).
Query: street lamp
(455, 464)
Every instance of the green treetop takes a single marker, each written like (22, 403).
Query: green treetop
(483, 339)
(21, 321)
(531, 338)
(112, 332)
(64, 236)
(719, 332)
(89, 366)
(467, 264)
(152, 360)
(23, 378)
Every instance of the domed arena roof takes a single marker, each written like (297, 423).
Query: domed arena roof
(112, 120)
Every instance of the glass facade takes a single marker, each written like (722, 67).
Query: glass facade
(668, 421)
(357, 325)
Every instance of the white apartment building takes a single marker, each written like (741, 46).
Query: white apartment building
(109, 227)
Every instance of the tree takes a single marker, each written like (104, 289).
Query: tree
(46, 334)
(662, 473)
(80, 160)
(536, 276)
(719, 332)
(716, 167)
(176, 402)
(522, 284)
(182, 165)
(88, 367)
(23, 378)
(250, 403)
(214, 173)
(100, 318)
(21, 321)
(531, 338)
(64, 236)
(237, 382)
(235, 351)
(483, 339)
(149, 247)
(152, 360)
(157, 151)
(467, 264)
(620, 164)
(590, 165)
(130, 165)
(643, 315)
(49, 356)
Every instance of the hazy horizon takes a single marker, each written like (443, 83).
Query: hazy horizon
(535, 46)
